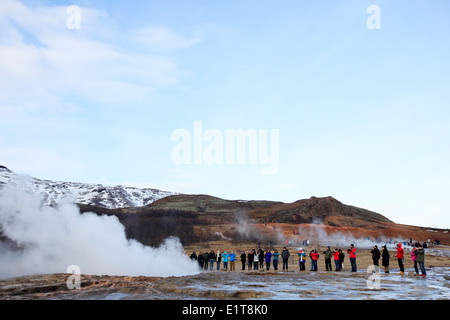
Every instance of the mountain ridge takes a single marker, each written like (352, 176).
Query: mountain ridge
(151, 215)
(111, 197)
(203, 218)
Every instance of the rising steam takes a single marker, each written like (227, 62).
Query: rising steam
(36, 239)
(316, 231)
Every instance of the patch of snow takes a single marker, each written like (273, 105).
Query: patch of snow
(55, 192)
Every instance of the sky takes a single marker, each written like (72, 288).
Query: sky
(348, 99)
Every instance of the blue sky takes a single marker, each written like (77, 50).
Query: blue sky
(362, 115)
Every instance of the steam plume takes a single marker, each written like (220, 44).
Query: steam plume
(42, 239)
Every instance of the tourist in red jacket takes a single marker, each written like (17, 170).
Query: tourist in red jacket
(400, 258)
(314, 255)
(336, 259)
(352, 255)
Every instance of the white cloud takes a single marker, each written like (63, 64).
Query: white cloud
(163, 38)
(37, 161)
(45, 64)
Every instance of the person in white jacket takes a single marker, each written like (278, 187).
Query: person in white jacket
(255, 260)
(218, 259)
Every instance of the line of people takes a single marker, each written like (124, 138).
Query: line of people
(259, 259)
(417, 257)
(253, 260)
(206, 260)
(337, 255)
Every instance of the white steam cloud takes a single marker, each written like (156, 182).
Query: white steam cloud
(316, 231)
(46, 239)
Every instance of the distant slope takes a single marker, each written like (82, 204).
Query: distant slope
(92, 194)
(151, 215)
(209, 204)
(325, 210)
(328, 210)
(202, 218)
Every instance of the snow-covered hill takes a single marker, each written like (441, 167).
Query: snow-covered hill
(94, 194)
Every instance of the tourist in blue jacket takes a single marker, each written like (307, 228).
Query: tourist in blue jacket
(225, 260)
(232, 257)
(275, 256)
(301, 259)
(267, 258)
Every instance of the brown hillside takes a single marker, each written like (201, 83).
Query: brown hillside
(197, 218)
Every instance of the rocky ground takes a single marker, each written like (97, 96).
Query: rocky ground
(246, 284)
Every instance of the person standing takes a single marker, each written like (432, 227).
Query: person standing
(225, 260)
(193, 256)
(200, 259)
(218, 259)
(261, 259)
(232, 258)
(275, 256)
(400, 258)
(255, 260)
(352, 256)
(341, 260)
(301, 259)
(421, 260)
(336, 259)
(250, 260)
(285, 256)
(267, 258)
(375, 255)
(212, 258)
(314, 258)
(414, 259)
(206, 263)
(328, 254)
(243, 260)
(385, 259)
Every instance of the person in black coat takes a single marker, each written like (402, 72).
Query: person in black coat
(341, 259)
(250, 260)
(385, 259)
(243, 259)
(375, 255)
(261, 258)
(193, 256)
(206, 260)
(201, 260)
(212, 258)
